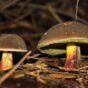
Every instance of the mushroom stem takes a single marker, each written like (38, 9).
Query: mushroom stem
(6, 61)
(73, 56)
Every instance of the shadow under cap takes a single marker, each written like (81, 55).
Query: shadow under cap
(62, 34)
(12, 42)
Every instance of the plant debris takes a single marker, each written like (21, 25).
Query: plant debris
(30, 19)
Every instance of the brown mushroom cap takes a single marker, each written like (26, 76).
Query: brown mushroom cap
(55, 39)
(12, 42)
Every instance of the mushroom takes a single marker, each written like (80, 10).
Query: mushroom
(10, 43)
(66, 38)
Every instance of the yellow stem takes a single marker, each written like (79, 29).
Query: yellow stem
(6, 61)
(73, 56)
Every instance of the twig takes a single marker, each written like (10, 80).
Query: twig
(54, 14)
(76, 10)
(74, 69)
(8, 4)
(37, 6)
(80, 80)
(36, 75)
(85, 67)
(4, 26)
(3, 78)
(62, 76)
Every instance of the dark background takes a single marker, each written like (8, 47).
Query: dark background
(31, 18)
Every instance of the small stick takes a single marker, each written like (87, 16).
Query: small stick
(37, 6)
(76, 10)
(51, 10)
(62, 76)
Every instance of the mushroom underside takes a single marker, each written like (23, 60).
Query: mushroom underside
(59, 47)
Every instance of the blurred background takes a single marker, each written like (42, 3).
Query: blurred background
(31, 18)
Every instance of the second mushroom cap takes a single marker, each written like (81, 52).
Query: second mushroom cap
(12, 42)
